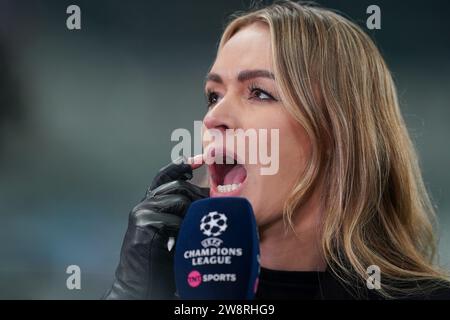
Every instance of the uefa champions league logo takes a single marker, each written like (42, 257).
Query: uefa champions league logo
(213, 224)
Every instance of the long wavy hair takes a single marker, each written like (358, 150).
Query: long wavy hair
(335, 83)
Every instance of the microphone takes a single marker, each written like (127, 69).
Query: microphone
(217, 251)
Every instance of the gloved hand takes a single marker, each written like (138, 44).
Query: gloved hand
(145, 270)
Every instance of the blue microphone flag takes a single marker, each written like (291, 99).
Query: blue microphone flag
(217, 251)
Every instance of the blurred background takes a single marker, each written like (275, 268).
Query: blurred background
(86, 118)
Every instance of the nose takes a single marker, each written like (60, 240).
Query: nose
(213, 122)
(222, 116)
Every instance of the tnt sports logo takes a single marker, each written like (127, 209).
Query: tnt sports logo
(194, 278)
(213, 224)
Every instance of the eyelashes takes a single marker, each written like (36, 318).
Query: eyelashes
(255, 92)
(260, 93)
(212, 98)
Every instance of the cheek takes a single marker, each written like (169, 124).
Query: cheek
(295, 147)
(294, 154)
(267, 194)
(265, 199)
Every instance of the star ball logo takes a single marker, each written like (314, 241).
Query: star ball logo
(213, 224)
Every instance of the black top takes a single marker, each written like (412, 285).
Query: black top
(297, 285)
(288, 285)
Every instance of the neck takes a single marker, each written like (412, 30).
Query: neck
(284, 250)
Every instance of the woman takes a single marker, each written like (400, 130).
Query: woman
(348, 194)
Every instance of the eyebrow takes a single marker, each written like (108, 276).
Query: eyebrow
(242, 76)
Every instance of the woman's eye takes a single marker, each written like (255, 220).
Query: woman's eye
(211, 99)
(261, 95)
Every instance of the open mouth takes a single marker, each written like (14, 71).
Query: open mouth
(227, 176)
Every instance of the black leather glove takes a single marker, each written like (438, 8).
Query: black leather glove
(145, 270)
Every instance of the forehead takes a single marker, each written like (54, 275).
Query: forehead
(249, 48)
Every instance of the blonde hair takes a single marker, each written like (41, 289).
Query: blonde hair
(335, 83)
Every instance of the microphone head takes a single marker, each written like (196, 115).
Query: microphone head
(217, 251)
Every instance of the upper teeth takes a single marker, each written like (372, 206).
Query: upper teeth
(228, 187)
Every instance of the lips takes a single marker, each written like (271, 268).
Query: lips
(227, 175)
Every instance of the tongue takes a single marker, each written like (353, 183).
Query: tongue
(235, 175)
